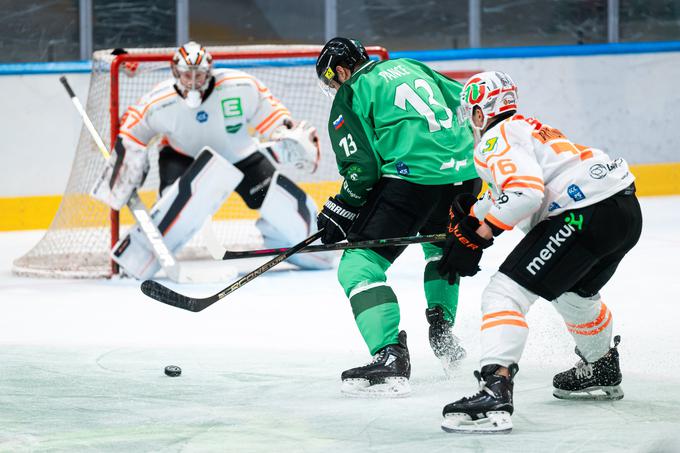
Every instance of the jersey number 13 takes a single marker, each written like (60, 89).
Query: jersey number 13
(406, 94)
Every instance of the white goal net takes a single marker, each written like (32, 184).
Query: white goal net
(78, 241)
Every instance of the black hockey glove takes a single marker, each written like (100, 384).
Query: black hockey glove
(460, 208)
(335, 218)
(462, 250)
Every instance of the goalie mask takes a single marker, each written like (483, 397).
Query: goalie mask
(192, 68)
(492, 92)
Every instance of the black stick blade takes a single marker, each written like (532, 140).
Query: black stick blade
(167, 296)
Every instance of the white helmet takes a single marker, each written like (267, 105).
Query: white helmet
(493, 92)
(192, 68)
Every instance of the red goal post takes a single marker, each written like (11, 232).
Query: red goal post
(77, 243)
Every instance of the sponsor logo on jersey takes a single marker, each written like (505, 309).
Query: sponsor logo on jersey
(453, 163)
(571, 220)
(553, 206)
(349, 192)
(546, 253)
(613, 165)
(575, 193)
(337, 124)
(202, 116)
(231, 107)
(234, 128)
(597, 171)
(402, 168)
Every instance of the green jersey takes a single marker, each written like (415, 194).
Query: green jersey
(396, 119)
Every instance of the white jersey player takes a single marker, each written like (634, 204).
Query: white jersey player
(215, 128)
(579, 210)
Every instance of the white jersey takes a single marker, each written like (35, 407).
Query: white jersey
(238, 113)
(535, 172)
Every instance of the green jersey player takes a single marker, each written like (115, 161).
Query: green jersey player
(403, 158)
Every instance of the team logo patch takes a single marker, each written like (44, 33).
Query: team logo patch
(475, 92)
(354, 172)
(337, 124)
(575, 193)
(329, 74)
(202, 116)
(553, 206)
(402, 168)
(598, 171)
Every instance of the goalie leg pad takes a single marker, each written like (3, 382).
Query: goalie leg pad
(288, 217)
(180, 212)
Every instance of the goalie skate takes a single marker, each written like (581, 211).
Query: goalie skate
(385, 377)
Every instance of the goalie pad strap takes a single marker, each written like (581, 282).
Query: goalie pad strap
(257, 176)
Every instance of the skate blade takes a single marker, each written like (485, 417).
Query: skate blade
(595, 393)
(395, 387)
(496, 422)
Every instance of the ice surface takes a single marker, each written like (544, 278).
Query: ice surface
(81, 364)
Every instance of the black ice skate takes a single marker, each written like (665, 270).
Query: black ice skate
(386, 376)
(443, 342)
(488, 411)
(599, 380)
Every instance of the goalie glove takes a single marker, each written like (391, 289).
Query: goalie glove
(296, 146)
(336, 218)
(124, 172)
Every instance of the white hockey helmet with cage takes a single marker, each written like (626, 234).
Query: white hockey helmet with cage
(192, 68)
(494, 92)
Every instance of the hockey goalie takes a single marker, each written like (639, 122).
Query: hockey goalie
(221, 131)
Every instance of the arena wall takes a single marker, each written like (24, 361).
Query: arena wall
(620, 98)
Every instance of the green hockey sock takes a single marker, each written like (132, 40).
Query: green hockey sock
(438, 292)
(377, 315)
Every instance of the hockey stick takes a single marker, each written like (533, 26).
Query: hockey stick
(150, 231)
(164, 294)
(371, 243)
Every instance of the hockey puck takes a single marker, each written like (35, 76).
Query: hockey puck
(173, 371)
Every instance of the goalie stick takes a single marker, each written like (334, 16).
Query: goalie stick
(153, 236)
(371, 243)
(162, 293)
